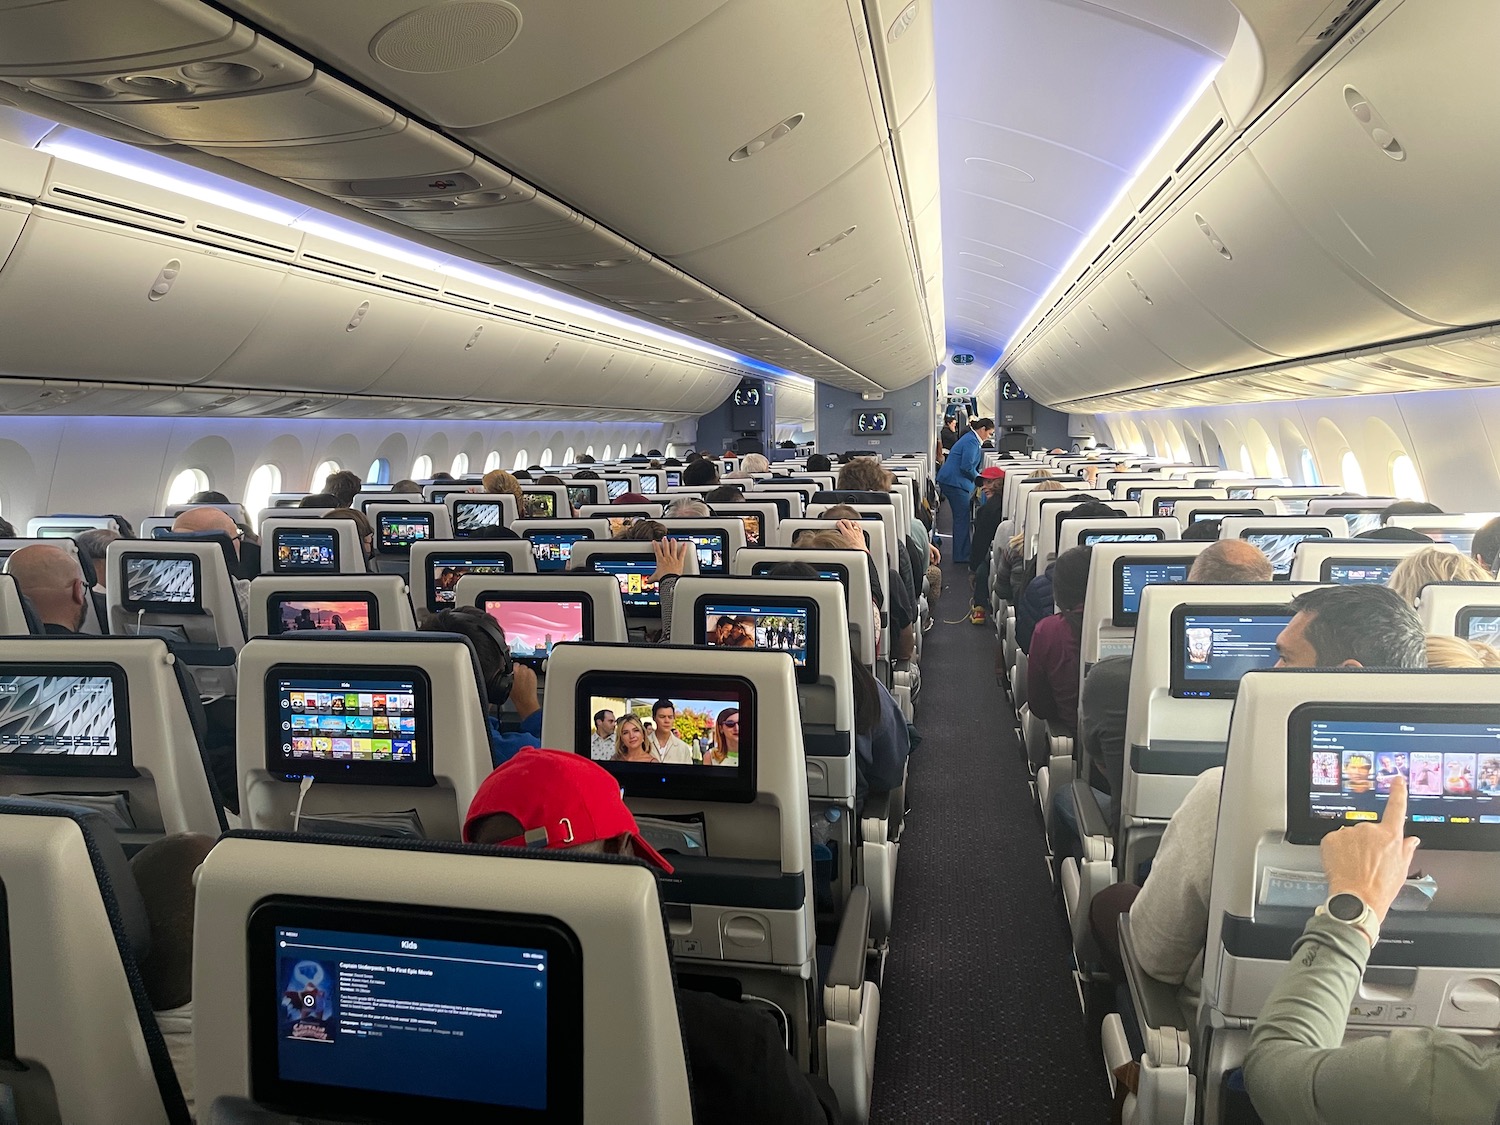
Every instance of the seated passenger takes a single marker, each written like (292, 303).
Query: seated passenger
(749, 465)
(1299, 1070)
(1486, 547)
(212, 519)
(830, 539)
(819, 463)
(362, 528)
(1332, 627)
(53, 581)
(1202, 531)
(323, 500)
(1455, 652)
(503, 678)
(1036, 599)
(1433, 565)
(700, 472)
(7, 529)
(500, 483)
(903, 597)
(641, 530)
(738, 1068)
(163, 872)
(344, 485)
(406, 488)
(688, 508)
(94, 546)
(882, 740)
(1052, 671)
(1409, 508)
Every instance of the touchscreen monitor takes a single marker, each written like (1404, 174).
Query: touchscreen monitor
(618, 525)
(1134, 492)
(616, 488)
(674, 478)
(1201, 514)
(1480, 623)
(371, 727)
(675, 736)
(395, 532)
(1462, 538)
(1350, 572)
(1149, 535)
(1342, 759)
(471, 516)
(399, 1013)
(72, 719)
(553, 550)
(837, 572)
(709, 547)
(61, 531)
(540, 505)
(751, 521)
(763, 622)
(649, 485)
(1131, 576)
(1280, 546)
(640, 595)
(533, 624)
(444, 571)
(579, 495)
(304, 552)
(1213, 646)
(161, 583)
(324, 613)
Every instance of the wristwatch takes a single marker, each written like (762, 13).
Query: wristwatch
(1353, 911)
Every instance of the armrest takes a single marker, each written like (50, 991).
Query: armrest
(847, 966)
(1091, 820)
(1155, 1001)
(877, 806)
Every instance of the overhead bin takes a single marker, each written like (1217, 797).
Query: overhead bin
(82, 296)
(1388, 160)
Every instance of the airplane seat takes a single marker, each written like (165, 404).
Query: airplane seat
(886, 572)
(591, 1030)
(17, 616)
(859, 848)
(631, 563)
(1461, 609)
(437, 566)
(398, 527)
(741, 899)
(848, 567)
(1308, 753)
(372, 733)
(86, 1048)
(182, 590)
(114, 725)
(299, 544)
(470, 513)
(289, 604)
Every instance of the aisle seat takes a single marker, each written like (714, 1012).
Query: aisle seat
(601, 1043)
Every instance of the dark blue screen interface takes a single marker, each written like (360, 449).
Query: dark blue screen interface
(1355, 573)
(1220, 649)
(552, 550)
(1135, 577)
(440, 1019)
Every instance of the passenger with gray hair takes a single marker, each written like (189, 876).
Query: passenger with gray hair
(687, 508)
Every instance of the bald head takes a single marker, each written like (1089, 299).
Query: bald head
(1231, 561)
(208, 519)
(53, 580)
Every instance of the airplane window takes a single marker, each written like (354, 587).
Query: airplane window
(421, 468)
(568, 455)
(460, 465)
(522, 459)
(264, 481)
(1245, 462)
(547, 456)
(1273, 463)
(1406, 482)
(1309, 468)
(322, 473)
(1354, 476)
(637, 449)
(492, 462)
(379, 472)
(590, 451)
(607, 450)
(185, 484)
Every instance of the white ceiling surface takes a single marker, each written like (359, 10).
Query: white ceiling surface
(1046, 110)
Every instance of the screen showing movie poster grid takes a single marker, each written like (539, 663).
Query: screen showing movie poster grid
(349, 720)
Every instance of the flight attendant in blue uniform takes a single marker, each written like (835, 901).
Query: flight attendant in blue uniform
(957, 478)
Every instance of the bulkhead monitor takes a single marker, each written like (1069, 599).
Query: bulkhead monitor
(763, 622)
(395, 532)
(1342, 759)
(1214, 645)
(444, 571)
(472, 516)
(1280, 546)
(161, 583)
(710, 748)
(536, 622)
(1353, 572)
(1131, 576)
(304, 612)
(542, 505)
(369, 726)
(66, 720)
(553, 550)
(1479, 623)
(382, 1013)
(295, 551)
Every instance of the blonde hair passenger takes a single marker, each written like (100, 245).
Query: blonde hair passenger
(1433, 564)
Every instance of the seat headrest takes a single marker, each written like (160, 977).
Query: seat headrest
(111, 868)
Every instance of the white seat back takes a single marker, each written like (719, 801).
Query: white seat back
(766, 517)
(1189, 511)
(1162, 499)
(298, 544)
(1461, 609)
(1050, 518)
(289, 603)
(715, 540)
(601, 593)
(469, 512)
(1104, 532)
(438, 567)
(12, 616)
(636, 561)
(853, 572)
(1369, 560)
(1116, 578)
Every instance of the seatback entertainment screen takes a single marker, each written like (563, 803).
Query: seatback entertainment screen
(1213, 646)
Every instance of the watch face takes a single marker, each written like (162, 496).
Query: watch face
(1346, 908)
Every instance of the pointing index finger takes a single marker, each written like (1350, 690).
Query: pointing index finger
(1395, 806)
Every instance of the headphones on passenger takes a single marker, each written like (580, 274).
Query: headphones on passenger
(497, 687)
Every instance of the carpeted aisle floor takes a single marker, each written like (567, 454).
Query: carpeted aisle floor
(979, 1017)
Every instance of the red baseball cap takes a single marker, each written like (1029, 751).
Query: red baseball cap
(561, 800)
(632, 498)
(994, 472)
